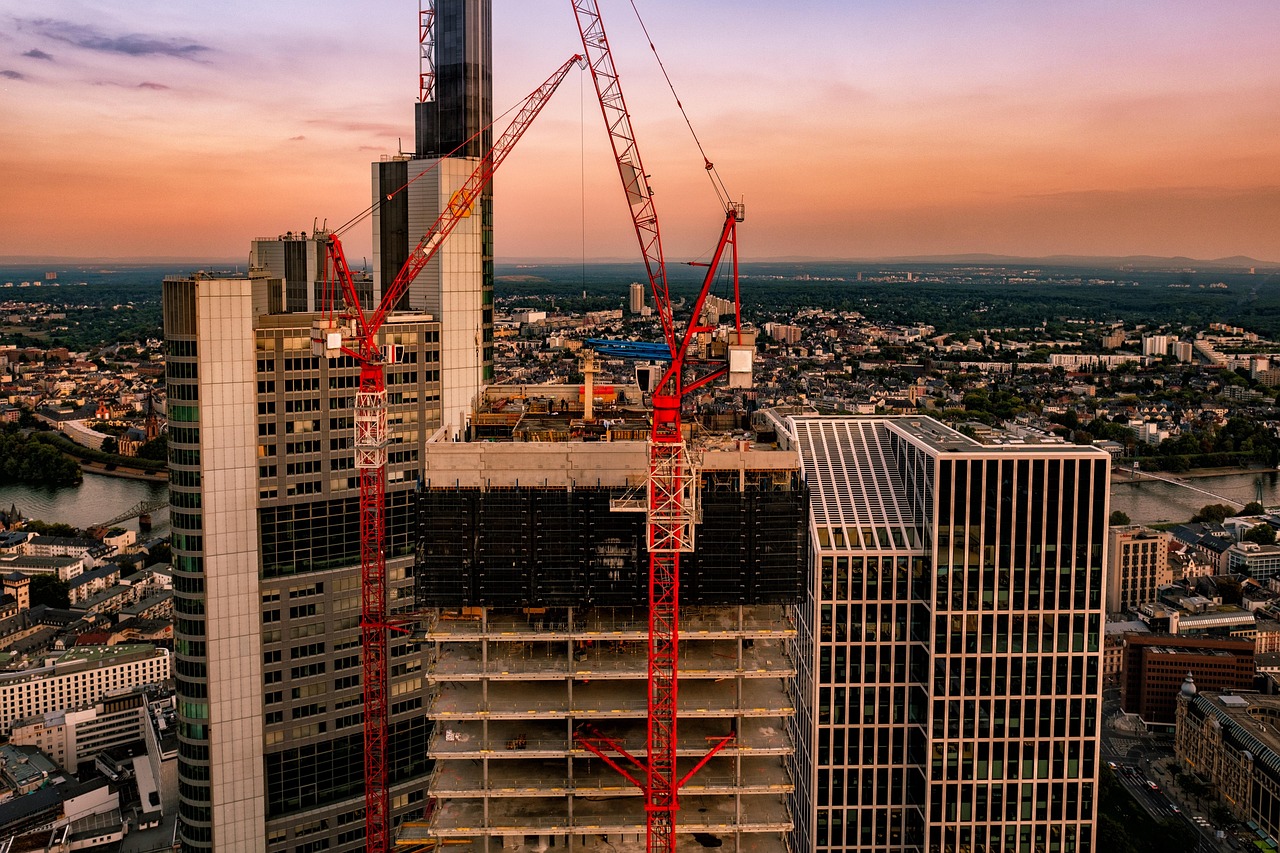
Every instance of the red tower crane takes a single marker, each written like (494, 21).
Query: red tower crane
(356, 335)
(672, 492)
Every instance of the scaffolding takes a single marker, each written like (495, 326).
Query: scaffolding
(535, 586)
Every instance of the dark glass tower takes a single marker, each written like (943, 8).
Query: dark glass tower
(409, 192)
(463, 104)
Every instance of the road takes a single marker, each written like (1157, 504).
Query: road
(1138, 759)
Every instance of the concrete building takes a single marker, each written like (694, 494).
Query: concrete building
(79, 678)
(1156, 345)
(1138, 565)
(1260, 562)
(1156, 666)
(264, 509)
(535, 577)
(299, 263)
(1232, 742)
(635, 302)
(949, 649)
(71, 737)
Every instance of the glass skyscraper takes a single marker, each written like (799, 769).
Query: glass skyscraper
(949, 649)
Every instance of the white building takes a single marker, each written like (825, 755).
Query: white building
(70, 737)
(79, 679)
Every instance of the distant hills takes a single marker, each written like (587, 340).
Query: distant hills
(1235, 262)
(1144, 262)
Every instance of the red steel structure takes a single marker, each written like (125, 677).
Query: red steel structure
(673, 485)
(357, 337)
(426, 50)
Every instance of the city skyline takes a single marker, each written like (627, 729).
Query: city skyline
(850, 131)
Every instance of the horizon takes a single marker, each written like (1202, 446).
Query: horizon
(960, 258)
(868, 131)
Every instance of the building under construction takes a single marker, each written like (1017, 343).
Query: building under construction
(532, 570)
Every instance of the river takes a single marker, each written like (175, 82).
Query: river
(1145, 501)
(95, 500)
(1148, 501)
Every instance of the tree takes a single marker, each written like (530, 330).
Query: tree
(1263, 534)
(1253, 508)
(1214, 513)
(1119, 518)
(110, 445)
(49, 590)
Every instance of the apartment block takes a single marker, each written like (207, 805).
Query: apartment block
(1138, 565)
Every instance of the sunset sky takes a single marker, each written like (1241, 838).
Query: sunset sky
(851, 128)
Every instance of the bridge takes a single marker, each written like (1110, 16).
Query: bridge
(1176, 482)
(139, 509)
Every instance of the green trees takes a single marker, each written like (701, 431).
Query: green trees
(1119, 518)
(1214, 513)
(49, 590)
(24, 460)
(1263, 534)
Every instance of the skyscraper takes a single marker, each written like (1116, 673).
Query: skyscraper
(452, 134)
(263, 501)
(948, 654)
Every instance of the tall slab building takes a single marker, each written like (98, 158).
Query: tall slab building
(409, 191)
(264, 510)
(948, 653)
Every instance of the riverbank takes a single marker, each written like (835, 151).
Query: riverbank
(103, 470)
(1192, 474)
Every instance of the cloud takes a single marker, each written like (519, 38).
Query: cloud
(351, 126)
(297, 138)
(12, 75)
(158, 87)
(128, 44)
(36, 53)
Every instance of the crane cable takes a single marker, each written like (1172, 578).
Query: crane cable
(716, 183)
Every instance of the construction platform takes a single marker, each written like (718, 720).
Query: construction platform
(532, 572)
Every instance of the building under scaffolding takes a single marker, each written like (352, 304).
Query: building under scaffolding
(532, 568)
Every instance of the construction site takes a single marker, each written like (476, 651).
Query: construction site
(533, 568)
(590, 647)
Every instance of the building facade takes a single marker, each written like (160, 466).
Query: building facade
(1156, 666)
(1138, 565)
(264, 504)
(948, 654)
(71, 737)
(78, 679)
(410, 192)
(536, 578)
(1232, 741)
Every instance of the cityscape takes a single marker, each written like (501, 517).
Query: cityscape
(940, 520)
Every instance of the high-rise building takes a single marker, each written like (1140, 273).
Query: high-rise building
(1138, 565)
(534, 565)
(299, 262)
(636, 299)
(264, 509)
(948, 651)
(410, 191)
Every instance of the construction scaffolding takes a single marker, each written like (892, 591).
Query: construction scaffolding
(535, 587)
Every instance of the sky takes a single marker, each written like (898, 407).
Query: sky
(850, 128)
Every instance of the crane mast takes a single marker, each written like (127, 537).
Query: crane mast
(672, 489)
(357, 336)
